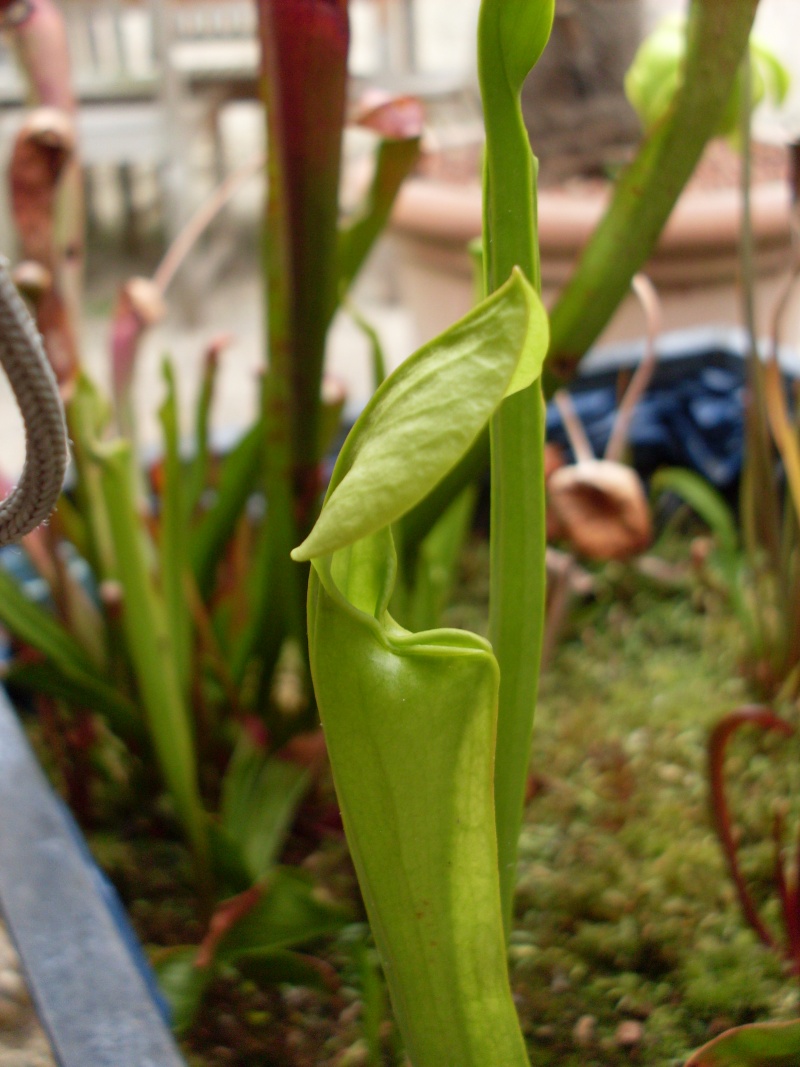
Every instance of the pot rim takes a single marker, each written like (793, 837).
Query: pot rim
(703, 221)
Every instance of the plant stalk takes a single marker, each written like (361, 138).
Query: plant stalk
(517, 589)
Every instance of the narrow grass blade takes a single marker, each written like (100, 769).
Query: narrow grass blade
(67, 670)
(239, 476)
(151, 649)
(172, 537)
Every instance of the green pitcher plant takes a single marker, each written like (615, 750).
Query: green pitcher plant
(428, 733)
(411, 719)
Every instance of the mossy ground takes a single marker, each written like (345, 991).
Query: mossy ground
(628, 945)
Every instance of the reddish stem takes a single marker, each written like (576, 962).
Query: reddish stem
(228, 913)
(787, 895)
(757, 715)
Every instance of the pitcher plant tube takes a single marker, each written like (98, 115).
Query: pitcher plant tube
(429, 733)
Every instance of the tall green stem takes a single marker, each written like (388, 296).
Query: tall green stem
(646, 193)
(517, 597)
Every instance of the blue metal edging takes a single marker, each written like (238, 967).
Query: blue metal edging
(89, 983)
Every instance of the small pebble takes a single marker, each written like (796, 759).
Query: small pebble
(12, 986)
(295, 1039)
(24, 1058)
(559, 982)
(585, 1031)
(629, 1033)
(12, 1016)
(670, 772)
(351, 1013)
(355, 1056)
(386, 1029)
(22, 1040)
(296, 997)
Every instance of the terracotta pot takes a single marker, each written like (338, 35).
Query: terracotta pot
(694, 267)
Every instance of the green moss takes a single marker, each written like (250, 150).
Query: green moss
(624, 898)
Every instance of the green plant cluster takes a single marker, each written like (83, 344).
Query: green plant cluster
(176, 669)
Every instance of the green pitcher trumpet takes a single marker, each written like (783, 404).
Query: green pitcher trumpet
(411, 719)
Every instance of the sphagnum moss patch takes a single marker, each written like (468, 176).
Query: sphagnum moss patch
(629, 946)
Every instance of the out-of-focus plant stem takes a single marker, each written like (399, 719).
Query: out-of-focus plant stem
(648, 190)
(517, 595)
(644, 198)
(40, 41)
(303, 81)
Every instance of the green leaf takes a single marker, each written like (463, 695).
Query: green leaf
(150, 646)
(428, 413)
(172, 540)
(228, 861)
(376, 348)
(656, 75)
(373, 997)
(702, 498)
(760, 1045)
(68, 671)
(396, 159)
(288, 913)
(260, 795)
(647, 191)
(410, 719)
(436, 563)
(198, 469)
(274, 597)
(512, 35)
(88, 415)
(182, 983)
(81, 689)
(237, 482)
(410, 723)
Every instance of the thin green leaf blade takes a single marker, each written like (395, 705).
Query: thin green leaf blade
(396, 159)
(702, 498)
(198, 469)
(150, 647)
(427, 415)
(260, 795)
(172, 539)
(288, 913)
(239, 476)
(67, 670)
(183, 983)
(73, 683)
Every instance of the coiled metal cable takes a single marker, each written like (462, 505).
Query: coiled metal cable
(25, 363)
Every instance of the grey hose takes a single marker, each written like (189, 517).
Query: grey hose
(23, 359)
